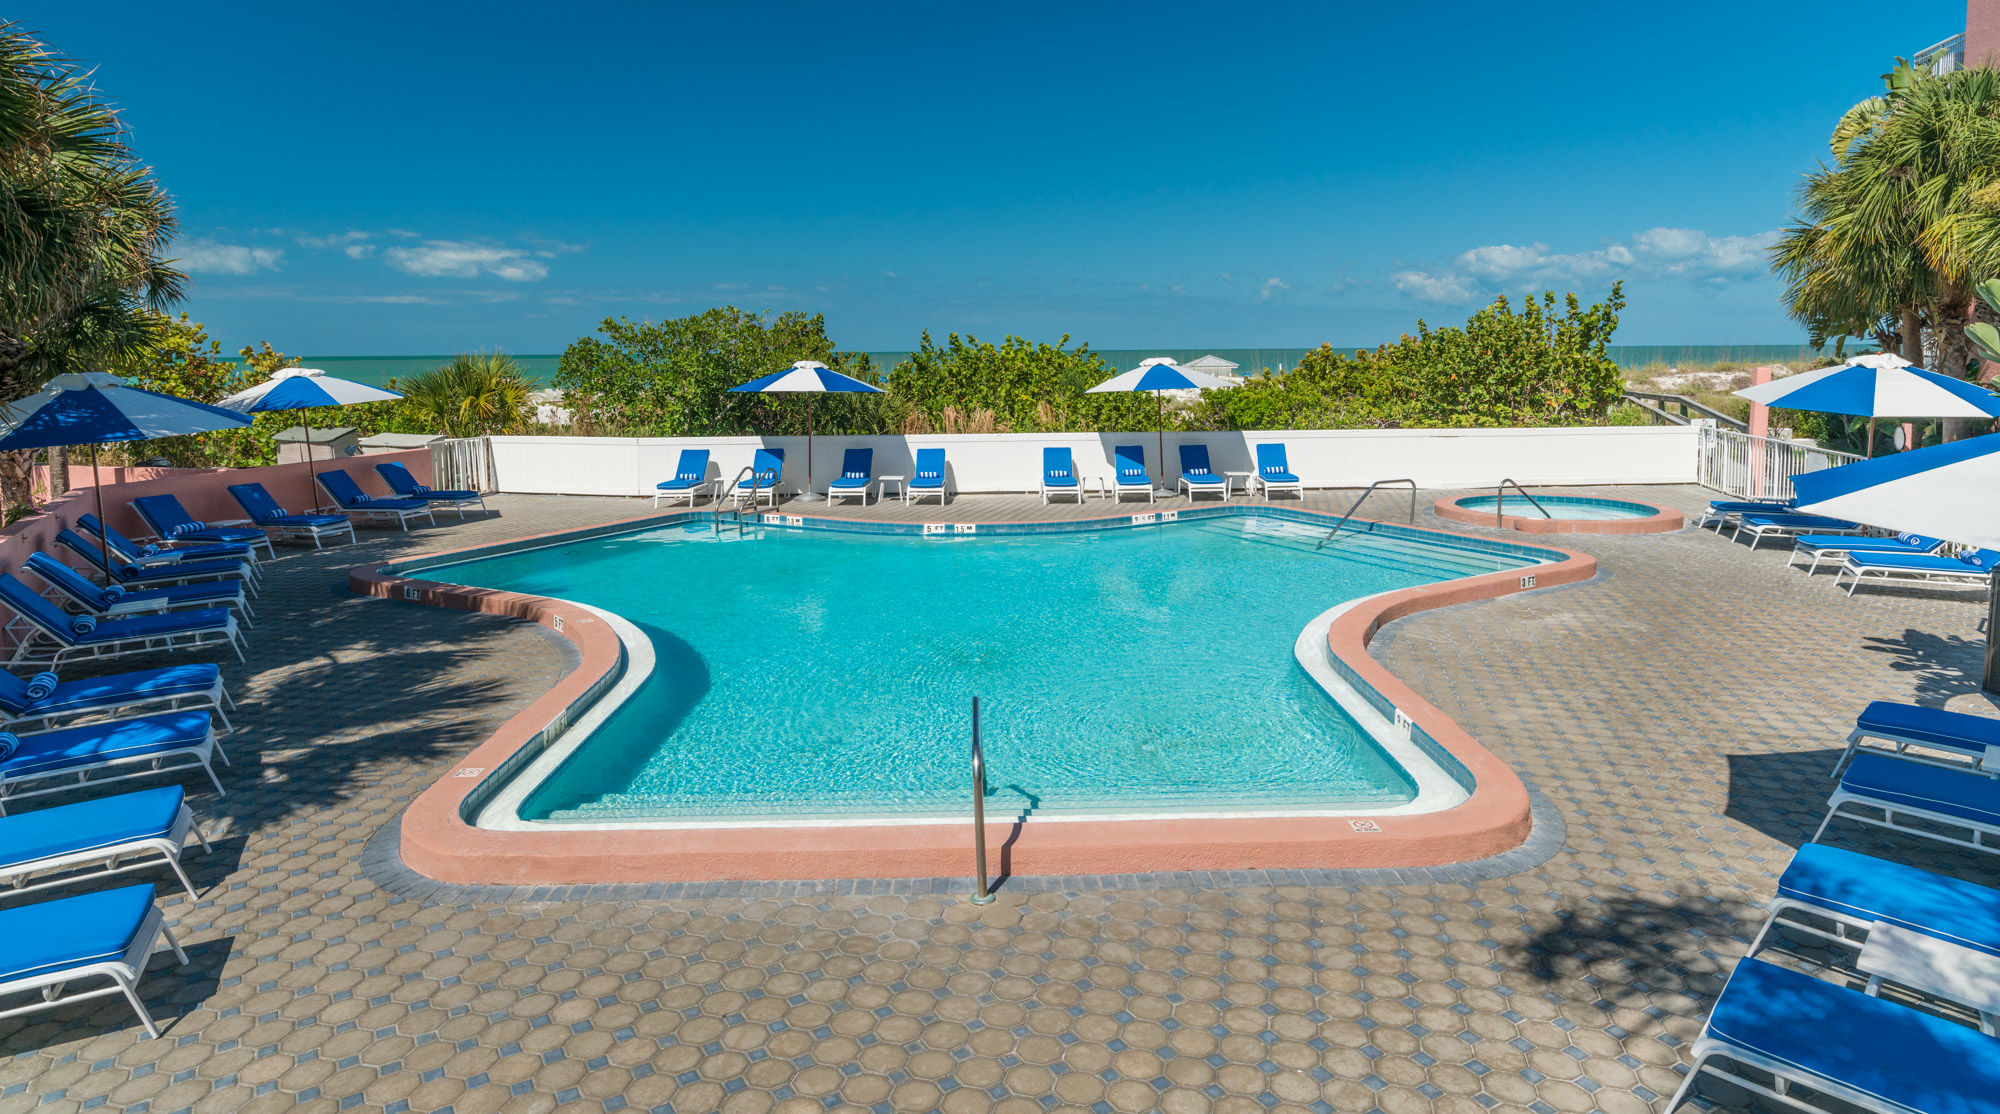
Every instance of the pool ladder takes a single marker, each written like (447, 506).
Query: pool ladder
(1335, 532)
(1500, 502)
(981, 895)
(736, 511)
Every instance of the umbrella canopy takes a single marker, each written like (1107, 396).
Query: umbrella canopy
(1878, 386)
(93, 408)
(807, 377)
(1160, 374)
(295, 388)
(1945, 491)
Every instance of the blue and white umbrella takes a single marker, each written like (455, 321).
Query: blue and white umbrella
(807, 377)
(1159, 375)
(299, 388)
(1883, 385)
(1945, 491)
(93, 408)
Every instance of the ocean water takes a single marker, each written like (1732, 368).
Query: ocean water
(818, 673)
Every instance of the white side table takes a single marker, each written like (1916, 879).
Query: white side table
(1232, 477)
(882, 486)
(1937, 968)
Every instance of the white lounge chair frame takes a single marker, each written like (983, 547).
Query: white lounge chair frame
(1783, 1076)
(214, 699)
(1787, 530)
(1076, 489)
(124, 973)
(857, 492)
(173, 761)
(1857, 803)
(31, 637)
(1219, 486)
(705, 487)
(1972, 577)
(19, 877)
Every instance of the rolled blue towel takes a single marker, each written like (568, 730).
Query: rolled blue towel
(422, 490)
(82, 624)
(112, 593)
(149, 550)
(188, 528)
(131, 570)
(9, 743)
(41, 685)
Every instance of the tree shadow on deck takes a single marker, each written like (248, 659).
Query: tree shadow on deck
(1781, 793)
(1938, 666)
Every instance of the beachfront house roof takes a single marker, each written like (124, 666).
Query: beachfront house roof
(1212, 365)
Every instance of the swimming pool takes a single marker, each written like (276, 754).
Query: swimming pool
(1572, 507)
(815, 673)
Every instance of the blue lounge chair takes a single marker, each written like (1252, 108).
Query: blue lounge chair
(767, 470)
(1957, 800)
(272, 519)
(1128, 472)
(857, 473)
(1274, 472)
(1761, 526)
(86, 636)
(930, 477)
(93, 754)
(1197, 476)
(1819, 547)
(690, 479)
(158, 573)
(87, 840)
(45, 697)
(116, 601)
(355, 503)
(1720, 512)
(152, 555)
(1793, 1030)
(174, 526)
(1960, 740)
(109, 934)
(1059, 474)
(404, 483)
(1854, 891)
(1969, 570)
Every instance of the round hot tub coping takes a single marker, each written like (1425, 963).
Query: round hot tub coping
(1663, 520)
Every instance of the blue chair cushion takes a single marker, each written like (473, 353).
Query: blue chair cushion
(97, 692)
(133, 574)
(1200, 478)
(70, 932)
(1872, 889)
(430, 496)
(96, 743)
(1279, 475)
(213, 591)
(1973, 798)
(1796, 521)
(850, 480)
(153, 626)
(1917, 562)
(1873, 1045)
(928, 479)
(678, 483)
(1931, 726)
(88, 825)
(1058, 479)
(1852, 544)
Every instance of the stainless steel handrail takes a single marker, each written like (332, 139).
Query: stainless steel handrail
(736, 503)
(1330, 534)
(980, 894)
(1500, 502)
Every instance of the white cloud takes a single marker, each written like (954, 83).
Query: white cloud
(468, 259)
(1272, 286)
(206, 257)
(1684, 254)
(353, 244)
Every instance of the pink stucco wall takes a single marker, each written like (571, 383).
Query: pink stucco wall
(1982, 32)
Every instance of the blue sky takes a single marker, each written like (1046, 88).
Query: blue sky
(373, 178)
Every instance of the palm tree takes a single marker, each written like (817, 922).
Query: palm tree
(82, 226)
(473, 395)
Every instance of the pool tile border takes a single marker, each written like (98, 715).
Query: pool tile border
(436, 839)
(1664, 520)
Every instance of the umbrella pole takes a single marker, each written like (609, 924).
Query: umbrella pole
(312, 500)
(104, 528)
(1871, 436)
(806, 495)
(1161, 398)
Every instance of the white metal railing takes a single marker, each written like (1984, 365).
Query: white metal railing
(462, 464)
(1759, 467)
(1941, 58)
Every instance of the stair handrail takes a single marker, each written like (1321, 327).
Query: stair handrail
(1500, 502)
(1330, 534)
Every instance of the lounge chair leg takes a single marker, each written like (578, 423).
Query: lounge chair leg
(210, 771)
(1687, 1085)
(175, 862)
(132, 996)
(1821, 830)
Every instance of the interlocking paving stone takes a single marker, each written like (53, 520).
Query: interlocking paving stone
(1678, 714)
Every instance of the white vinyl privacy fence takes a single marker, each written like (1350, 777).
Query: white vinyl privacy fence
(1759, 467)
(462, 464)
(1003, 462)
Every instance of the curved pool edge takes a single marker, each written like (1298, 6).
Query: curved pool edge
(1663, 520)
(439, 841)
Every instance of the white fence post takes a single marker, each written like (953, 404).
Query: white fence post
(1759, 467)
(462, 464)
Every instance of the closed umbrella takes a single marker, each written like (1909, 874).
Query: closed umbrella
(1877, 386)
(807, 377)
(1159, 375)
(301, 388)
(93, 408)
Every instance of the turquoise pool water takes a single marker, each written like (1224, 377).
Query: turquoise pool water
(812, 673)
(1561, 506)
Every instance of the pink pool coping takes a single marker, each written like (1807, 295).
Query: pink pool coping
(1664, 520)
(439, 842)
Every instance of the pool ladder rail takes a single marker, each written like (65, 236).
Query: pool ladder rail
(1500, 502)
(1335, 532)
(735, 512)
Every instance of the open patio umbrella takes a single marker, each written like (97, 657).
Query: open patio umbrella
(93, 408)
(807, 377)
(299, 388)
(1159, 375)
(1883, 385)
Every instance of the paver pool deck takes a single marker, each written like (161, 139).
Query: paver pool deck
(1681, 711)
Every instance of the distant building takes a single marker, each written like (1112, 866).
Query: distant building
(1216, 366)
(328, 443)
